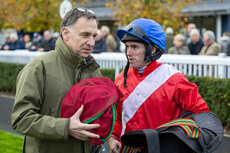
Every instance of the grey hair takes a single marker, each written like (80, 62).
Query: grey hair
(169, 30)
(105, 28)
(194, 31)
(210, 35)
(14, 36)
(98, 32)
(72, 17)
(179, 37)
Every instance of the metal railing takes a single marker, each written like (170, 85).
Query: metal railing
(212, 66)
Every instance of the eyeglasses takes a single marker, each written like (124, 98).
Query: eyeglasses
(79, 9)
(82, 10)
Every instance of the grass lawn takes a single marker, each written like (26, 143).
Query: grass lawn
(10, 143)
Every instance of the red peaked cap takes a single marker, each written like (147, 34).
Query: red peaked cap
(98, 95)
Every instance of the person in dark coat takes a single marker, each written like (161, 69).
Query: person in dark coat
(5, 46)
(196, 44)
(228, 51)
(36, 42)
(190, 27)
(224, 41)
(16, 43)
(169, 39)
(48, 43)
(100, 44)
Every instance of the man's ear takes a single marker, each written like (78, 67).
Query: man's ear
(65, 34)
(154, 50)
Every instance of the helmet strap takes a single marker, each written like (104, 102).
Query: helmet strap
(149, 57)
(125, 73)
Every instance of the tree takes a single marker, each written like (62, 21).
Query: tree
(167, 13)
(32, 15)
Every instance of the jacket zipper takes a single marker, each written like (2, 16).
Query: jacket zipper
(82, 69)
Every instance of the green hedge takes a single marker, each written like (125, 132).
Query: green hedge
(214, 91)
(8, 75)
(110, 73)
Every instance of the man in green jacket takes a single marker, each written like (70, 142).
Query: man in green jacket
(44, 82)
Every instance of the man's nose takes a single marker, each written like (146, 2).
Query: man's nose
(129, 51)
(91, 41)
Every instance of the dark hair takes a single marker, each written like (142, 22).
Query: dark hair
(73, 15)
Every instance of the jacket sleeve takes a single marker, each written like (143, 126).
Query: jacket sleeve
(26, 116)
(20, 45)
(11, 46)
(112, 43)
(215, 50)
(118, 124)
(33, 45)
(188, 98)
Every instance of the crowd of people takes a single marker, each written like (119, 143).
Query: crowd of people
(41, 43)
(189, 43)
(195, 44)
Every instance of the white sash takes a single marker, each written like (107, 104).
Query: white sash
(145, 89)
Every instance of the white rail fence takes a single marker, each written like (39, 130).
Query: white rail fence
(212, 66)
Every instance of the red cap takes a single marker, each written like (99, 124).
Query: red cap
(98, 95)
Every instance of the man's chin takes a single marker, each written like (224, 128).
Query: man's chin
(133, 66)
(84, 55)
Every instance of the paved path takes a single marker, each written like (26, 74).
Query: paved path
(6, 105)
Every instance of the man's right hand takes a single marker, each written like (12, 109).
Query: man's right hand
(79, 130)
(114, 145)
(33, 47)
(6, 47)
(41, 49)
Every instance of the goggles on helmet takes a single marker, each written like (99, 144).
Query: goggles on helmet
(139, 33)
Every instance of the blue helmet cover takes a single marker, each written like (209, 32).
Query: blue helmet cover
(154, 31)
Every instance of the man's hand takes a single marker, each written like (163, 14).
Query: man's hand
(41, 49)
(80, 130)
(33, 47)
(6, 47)
(114, 145)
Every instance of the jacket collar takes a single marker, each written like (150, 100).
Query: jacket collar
(151, 67)
(71, 59)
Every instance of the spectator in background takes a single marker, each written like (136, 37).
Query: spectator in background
(121, 44)
(210, 46)
(169, 39)
(109, 39)
(6, 45)
(118, 45)
(27, 40)
(190, 27)
(48, 43)
(179, 47)
(122, 47)
(196, 42)
(56, 35)
(224, 41)
(16, 43)
(228, 51)
(100, 44)
(36, 42)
